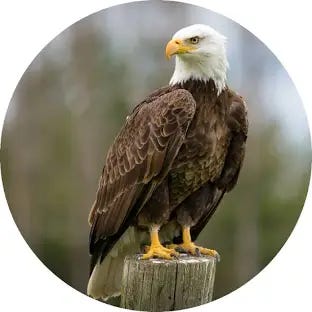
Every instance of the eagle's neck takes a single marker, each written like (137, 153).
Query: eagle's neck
(204, 92)
(205, 69)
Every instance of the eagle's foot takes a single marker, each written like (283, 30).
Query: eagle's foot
(195, 250)
(189, 247)
(159, 251)
(206, 252)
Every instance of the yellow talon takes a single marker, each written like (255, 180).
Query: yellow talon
(159, 252)
(157, 249)
(191, 248)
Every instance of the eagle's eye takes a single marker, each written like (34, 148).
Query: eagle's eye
(194, 40)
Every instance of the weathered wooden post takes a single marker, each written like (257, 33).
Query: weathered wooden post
(167, 285)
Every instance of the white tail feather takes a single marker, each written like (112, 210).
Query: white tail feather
(105, 280)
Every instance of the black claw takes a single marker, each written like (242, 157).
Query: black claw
(218, 258)
(197, 252)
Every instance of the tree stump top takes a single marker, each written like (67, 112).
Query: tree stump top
(167, 285)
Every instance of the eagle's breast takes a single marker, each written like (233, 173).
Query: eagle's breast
(201, 157)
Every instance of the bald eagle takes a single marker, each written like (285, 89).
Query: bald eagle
(178, 153)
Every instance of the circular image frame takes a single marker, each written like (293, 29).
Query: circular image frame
(15, 217)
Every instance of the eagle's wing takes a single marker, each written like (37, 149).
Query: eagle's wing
(137, 162)
(238, 125)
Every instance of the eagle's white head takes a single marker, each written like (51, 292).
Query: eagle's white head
(200, 54)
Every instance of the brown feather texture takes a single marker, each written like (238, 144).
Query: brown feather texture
(138, 161)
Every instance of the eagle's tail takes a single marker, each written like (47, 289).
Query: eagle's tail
(106, 275)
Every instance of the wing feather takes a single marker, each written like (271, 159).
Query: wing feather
(138, 160)
(238, 124)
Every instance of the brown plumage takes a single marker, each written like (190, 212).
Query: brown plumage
(178, 153)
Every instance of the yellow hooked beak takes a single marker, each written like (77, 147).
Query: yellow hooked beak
(176, 46)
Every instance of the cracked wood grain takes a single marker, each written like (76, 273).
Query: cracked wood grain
(167, 285)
